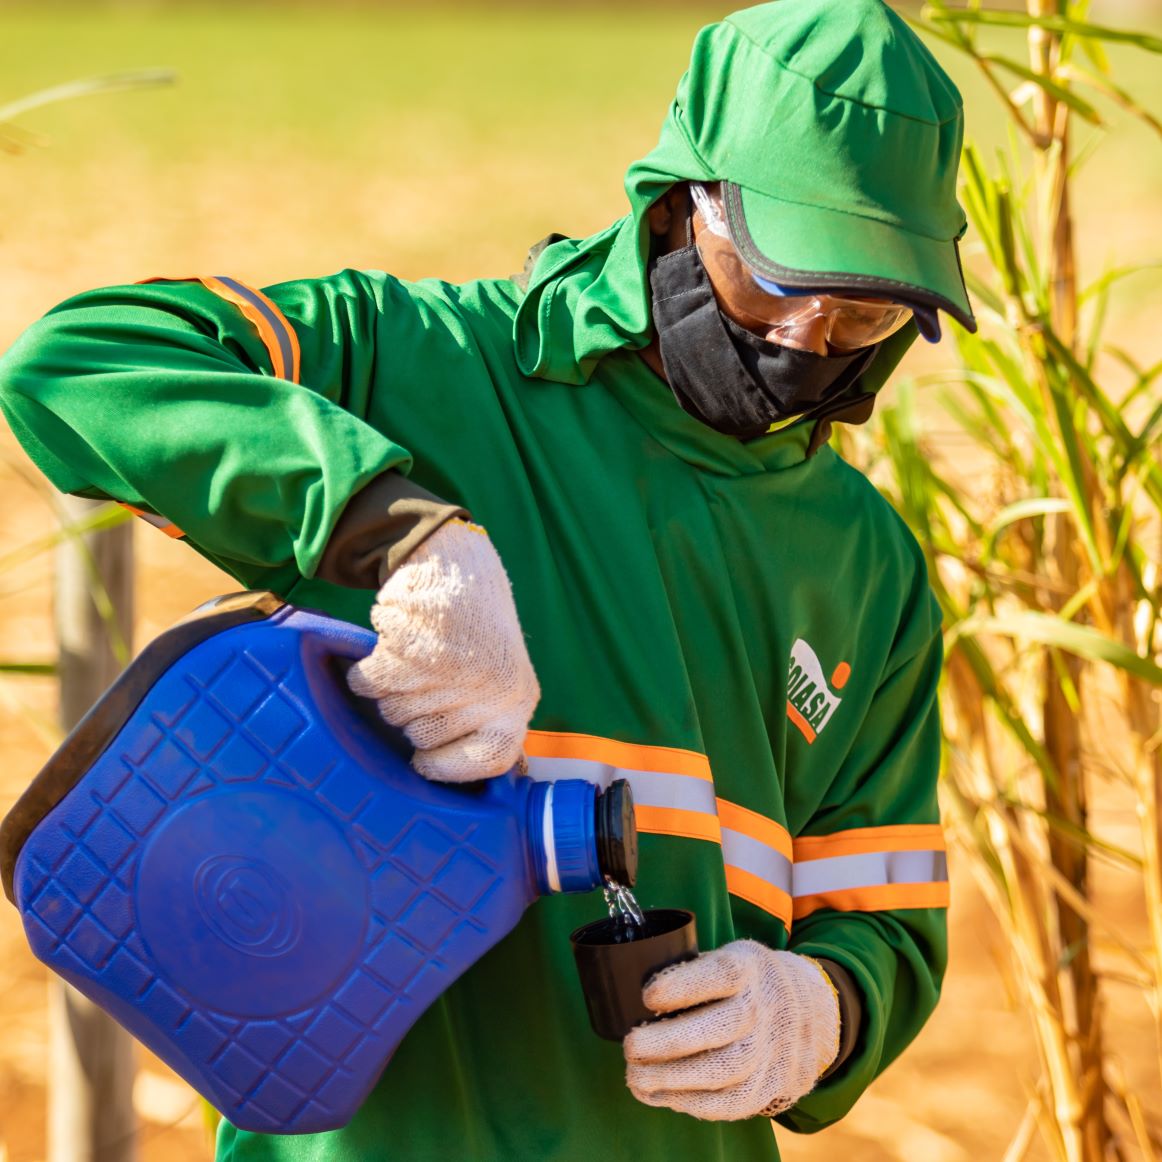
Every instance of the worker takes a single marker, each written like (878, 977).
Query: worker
(593, 514)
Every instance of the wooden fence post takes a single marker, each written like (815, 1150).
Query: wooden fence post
(91, 1058)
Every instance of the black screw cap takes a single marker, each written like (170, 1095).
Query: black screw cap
(617, 834)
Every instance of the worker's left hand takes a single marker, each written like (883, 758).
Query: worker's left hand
(761, 1028)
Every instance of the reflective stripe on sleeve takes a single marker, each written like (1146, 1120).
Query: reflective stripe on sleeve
(276, 333)
(158, 522)
(871, 869)
(865, 869)
(673, 792)
(757, 855)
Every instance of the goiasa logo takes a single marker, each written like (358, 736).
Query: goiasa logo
(811, 699)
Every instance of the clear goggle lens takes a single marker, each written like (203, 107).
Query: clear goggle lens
(847, 322)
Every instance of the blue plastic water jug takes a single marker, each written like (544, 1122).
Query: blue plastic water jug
(231, 855)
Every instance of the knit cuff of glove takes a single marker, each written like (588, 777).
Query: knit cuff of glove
(381, 526)
(829, 1037)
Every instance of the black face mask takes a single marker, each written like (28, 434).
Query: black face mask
(721, 373)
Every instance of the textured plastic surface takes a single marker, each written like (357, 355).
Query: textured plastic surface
(575, 834)
(257, 885)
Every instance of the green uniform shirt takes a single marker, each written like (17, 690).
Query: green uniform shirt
(746, 632)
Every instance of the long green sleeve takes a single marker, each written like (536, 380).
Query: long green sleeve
(162, 396)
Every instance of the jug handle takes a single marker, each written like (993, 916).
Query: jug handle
(336, 654)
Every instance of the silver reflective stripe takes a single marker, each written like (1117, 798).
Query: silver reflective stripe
(650, 788)
(758, 858)
(275, 320)
(842, 872)
(552, 769)
(158, 522)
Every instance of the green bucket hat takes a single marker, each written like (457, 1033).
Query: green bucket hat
(837, 135)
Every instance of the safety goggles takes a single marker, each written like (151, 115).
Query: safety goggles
(845, 322)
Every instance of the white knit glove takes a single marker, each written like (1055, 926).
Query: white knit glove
(450, 667)
(765, 1028)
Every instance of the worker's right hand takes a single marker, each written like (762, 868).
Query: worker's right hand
(450, 667)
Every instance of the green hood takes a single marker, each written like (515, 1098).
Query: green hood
(588, 297)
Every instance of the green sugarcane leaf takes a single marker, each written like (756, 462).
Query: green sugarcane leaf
(986, 426)
(1144, 382)
(1060, 24)
(1082, 156)
(1045, 630)
(39, 669)
(1121, 97)
(1150, 429)
(108, 516)
(995, 693)
(1074, 375)
(931, 21)
(1010, 385)
(946, 34)
(1124, 523)
(1024, 509)
(1139, 464)
(1097, 324)
(1082, 837)
(1143, 378)
(1065, 681)
(1095, 50)
(981, 195)
(1007, 265)
(983, 293)
(1108, 414)
(1116, 274)
(1013, 165)
(1079, 600)
(1071, 470)
(1057, 91)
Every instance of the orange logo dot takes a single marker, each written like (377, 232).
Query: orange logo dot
(842, 673)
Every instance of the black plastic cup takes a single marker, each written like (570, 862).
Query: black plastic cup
(614, 973)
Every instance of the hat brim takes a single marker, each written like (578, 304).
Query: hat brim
(824, 249)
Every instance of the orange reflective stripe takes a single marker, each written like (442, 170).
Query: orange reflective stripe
(868, 840)
(880, 898)
(632, 755)
(755, 826)
(871, 869)
(276, 333)
(759, 892)
(158, 522)
(675, 821)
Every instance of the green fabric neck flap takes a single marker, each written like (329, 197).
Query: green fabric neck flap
(591, 296)
(586, 298)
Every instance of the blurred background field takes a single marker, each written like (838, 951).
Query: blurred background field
(434, 140)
